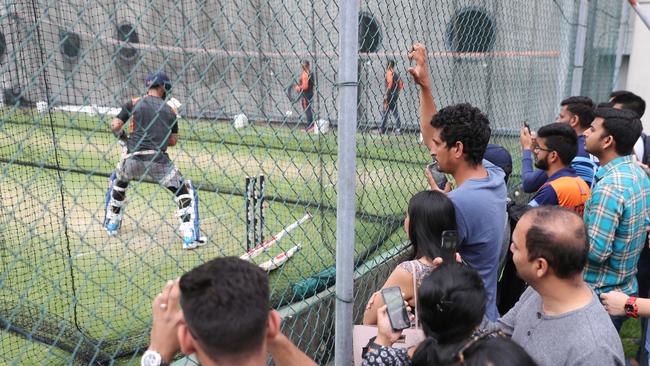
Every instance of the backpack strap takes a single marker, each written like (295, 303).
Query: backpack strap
(415, 294)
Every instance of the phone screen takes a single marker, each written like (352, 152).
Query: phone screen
(449, 241)
(397, 314)
(527, 126)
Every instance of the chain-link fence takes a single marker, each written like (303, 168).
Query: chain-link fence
(69, 293)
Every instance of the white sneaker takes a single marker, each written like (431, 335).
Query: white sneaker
(112, 224)
(187, 233)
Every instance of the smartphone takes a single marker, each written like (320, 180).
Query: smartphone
(399, 318)
(527, 126)
(438, 176)
(449, 241)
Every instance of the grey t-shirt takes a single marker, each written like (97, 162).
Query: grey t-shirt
(151, 122)
(581, 337)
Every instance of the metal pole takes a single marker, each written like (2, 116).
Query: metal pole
(644, 16)
(622, 31)
(345, 186)
(579, 57)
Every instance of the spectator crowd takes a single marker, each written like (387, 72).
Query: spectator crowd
(574, 260)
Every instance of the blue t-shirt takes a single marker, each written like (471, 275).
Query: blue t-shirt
(481, 218)
(583, 163)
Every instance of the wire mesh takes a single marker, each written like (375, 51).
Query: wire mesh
(69, 293)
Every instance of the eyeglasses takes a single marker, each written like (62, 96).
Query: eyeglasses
(538, 148)
(477, 338)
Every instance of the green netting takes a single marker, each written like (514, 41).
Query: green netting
(70, 294)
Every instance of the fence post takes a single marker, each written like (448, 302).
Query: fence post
(620, 43)
(345, 185)
(579, 57)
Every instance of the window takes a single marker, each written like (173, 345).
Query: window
(70, 45)
(369, 33)
(471, 30)
(127, 33)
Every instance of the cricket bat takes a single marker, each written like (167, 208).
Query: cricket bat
(276, 238)
(280, 259)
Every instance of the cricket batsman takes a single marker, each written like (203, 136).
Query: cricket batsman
(152, 127)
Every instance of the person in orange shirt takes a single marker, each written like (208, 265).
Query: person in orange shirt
(393, 87)
(556, 146)
(306, 88)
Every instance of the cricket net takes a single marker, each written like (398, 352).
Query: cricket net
(69, 293)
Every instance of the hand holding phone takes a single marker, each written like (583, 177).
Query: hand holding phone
(449, 241)
(396, 309)
(438, 176)
(527, 126)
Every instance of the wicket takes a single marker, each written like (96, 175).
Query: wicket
(255, 197)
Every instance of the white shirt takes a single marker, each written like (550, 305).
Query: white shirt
(638, 148)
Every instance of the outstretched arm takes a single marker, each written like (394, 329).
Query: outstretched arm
(420, 75)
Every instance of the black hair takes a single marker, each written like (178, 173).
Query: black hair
(616, 93)
(623, 125)
(560, 138)
(391, 62)
(630, 101)
(583, 107)
(603, 105)
(565, 251)
(500, 351)
(225, 304)
(451, 304)
(467, 124)
(578, 100)
(430, 213)
(304, 63)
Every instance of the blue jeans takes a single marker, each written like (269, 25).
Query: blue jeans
(618, 321)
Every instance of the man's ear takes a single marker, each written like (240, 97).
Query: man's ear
(459, 150)
(186, 340)
(609, 142)
(541, 267)
(574, 121)
(273, 327)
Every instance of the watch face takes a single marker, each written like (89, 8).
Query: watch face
(628, 308)
(151, 358)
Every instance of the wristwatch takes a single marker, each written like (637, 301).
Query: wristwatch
(631, 308)
(152, 358)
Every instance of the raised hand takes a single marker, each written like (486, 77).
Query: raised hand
(419, 72)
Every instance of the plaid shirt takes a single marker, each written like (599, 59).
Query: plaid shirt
(616, 217)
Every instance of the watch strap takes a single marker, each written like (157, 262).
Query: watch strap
(631, 307)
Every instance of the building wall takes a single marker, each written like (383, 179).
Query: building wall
(638, 73)
(231, 57)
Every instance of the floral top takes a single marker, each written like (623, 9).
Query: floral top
(421, 269)
(386, 356)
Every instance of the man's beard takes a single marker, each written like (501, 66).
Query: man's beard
(541, 164)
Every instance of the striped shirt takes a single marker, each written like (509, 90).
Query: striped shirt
(616, 218)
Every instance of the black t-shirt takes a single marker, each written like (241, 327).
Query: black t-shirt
(151, 122)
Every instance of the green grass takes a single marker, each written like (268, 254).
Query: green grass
(630, 335)
(65, 279)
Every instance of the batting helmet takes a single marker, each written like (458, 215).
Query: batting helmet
(158, 78)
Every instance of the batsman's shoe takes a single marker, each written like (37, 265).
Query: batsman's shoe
(112, 223)
(189, 238)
